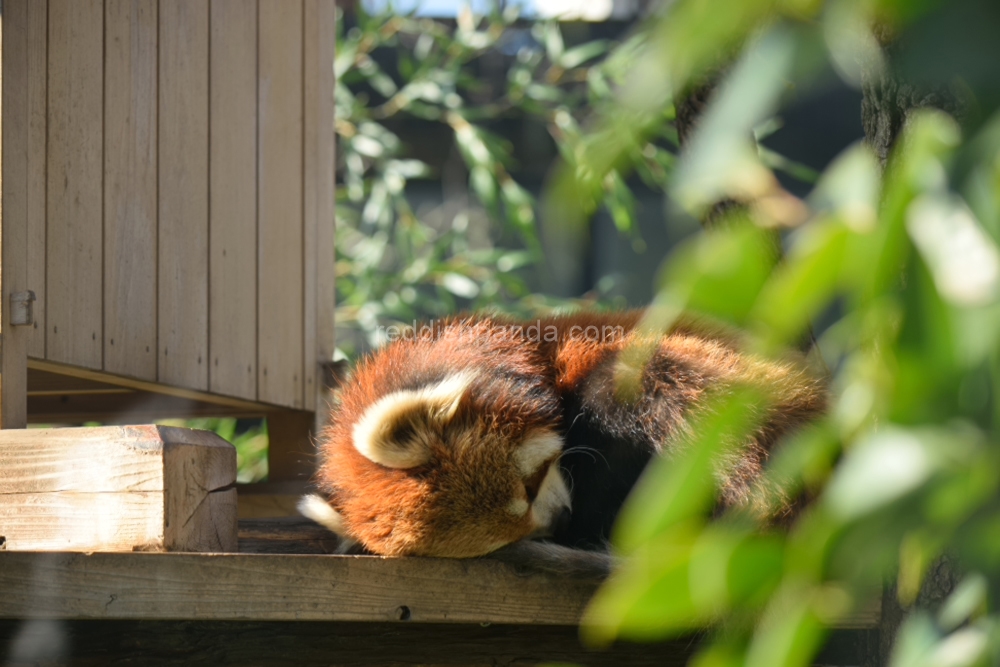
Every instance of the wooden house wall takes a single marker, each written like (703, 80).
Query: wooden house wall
(168, 189)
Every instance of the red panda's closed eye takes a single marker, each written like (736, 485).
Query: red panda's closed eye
(534, 457)
(534, 482)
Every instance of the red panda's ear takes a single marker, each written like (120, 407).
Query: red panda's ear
(394, 431)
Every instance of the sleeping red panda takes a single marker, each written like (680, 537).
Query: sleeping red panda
(478, 432)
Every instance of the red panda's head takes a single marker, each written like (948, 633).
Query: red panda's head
(443, 447)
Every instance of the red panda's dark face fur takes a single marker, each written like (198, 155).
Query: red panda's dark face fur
(445, 446)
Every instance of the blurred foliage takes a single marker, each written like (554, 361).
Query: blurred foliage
(394, 266)
(905, 259)
(251, 444)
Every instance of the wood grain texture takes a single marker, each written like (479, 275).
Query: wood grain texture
(72, 521)
(130, 202)
(279, 587)
(233, 199)
(182, 295)
(14, 195)
(124, 407)
(74, 205)
(117, 488)
(199, 492)
(321, 644)
(280, 357)
(37, 94)
(310, 254)
(318, 259)
(83, 460)
(325, 208)
(250, 407)
(286, 535)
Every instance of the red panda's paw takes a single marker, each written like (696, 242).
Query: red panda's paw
(315, 508)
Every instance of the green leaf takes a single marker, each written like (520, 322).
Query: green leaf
(553, 40)
(915, 640)
(882, 468)
(964, 261)
(849, 189)
(721, 159)
(681, 487)
(803, 284)
(790, 633)
(580, 54)
(721, 272)
(470, 142)
(967, 600)
(649, 597)
(620, 203)
(460, 285)
(484, 185)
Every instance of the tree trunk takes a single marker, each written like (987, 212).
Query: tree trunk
(889, 99)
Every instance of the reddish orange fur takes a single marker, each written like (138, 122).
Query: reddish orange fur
(454, 504)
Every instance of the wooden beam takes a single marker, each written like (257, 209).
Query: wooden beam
(117, 488)
(16, 54)
(282, 588)
(249, 407)
(107, 410)
(277, 587)
(279, 644)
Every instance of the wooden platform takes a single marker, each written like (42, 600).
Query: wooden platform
(278, 608)
(273, 587)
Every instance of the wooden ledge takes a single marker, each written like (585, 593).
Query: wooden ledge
(284, 587)
(271, 587)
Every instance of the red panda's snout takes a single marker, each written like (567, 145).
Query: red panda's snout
(454, 467)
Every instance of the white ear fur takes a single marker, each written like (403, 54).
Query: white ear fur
(375, 434)
(315, 508)
(540, 446)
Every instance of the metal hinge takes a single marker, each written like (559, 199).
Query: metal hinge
(21, 310)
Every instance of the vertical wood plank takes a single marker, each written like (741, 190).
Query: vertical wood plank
(37, 92)
(75, 129)
(319, 195)
(182, 261)
(280, 198)
(310, 135)
(326, 192)
(13, 210)
(130, 188)
(233, 200)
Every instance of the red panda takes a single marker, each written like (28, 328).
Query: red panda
(478, 432)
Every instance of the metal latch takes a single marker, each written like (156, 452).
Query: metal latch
(21, 310)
